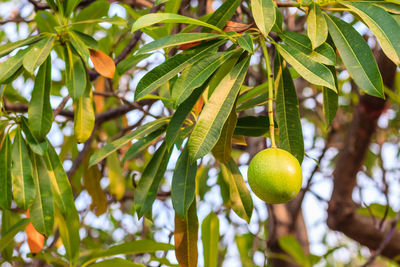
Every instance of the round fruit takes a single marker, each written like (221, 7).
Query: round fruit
(275, 175)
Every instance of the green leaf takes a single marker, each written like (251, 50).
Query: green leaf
(78, 45)
(153, 18)
(312, 71)
(86, 39)
(330, 105)
(140, 132)
(142, 144)
(168, 69)
(246, 43)
(186, 236)
(116, 262)
(46, 22)
(40, 113)
(224, 13)
(68, 219)
(177, 120)
(6, 224)
(11, 233)
(389, 7)
(251, 93)
(9, 47)
(39, 147)
(11, 66)
(223, 148)
(115, 176)
(196, 75)
(252, 126)
(21, 173)
(69, 232)
(208, 128)
(210, 239)
(5, 173)
(70, 6)
(330, 101)
(95, 10)
(146, 190)
(130, 62)
(297, 40)
(178, 39)
(290, 245)
(38, 54)
(239, 195)
(356, 55)
(324, 54)
(42, 209)
(84, 118)
(75, 73)
(287, 112)
(264, 15)
(317, 29)
(133, 247)
(183, 184)
(383, 26)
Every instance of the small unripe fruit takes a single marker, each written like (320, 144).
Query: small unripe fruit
(275, 175)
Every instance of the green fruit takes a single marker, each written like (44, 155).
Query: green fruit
(275, 175)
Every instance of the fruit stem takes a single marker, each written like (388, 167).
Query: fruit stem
(270, 92)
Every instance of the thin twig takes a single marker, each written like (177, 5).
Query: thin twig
(386, 239)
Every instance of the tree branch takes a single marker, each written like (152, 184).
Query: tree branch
(342, 215)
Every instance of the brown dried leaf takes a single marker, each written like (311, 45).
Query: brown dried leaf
(102, 63)
(232, 26)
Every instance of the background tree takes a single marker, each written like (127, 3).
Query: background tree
(127, 126)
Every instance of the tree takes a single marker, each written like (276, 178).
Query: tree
(127, 128)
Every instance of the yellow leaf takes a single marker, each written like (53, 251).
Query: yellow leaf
(186, 235)
(99, 86)
(91, 180)
(102, 63)
(239, 140)
(115, 175)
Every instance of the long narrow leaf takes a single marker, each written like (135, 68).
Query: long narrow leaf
(40, 113)
(183, 184)
(21, 173)
(42, 209)
(154, 18)
(9, 47)
(180, 115)
(196, 75)
(356, 55)
(210, 239)
(317, 29)
(147, 188)
(5, 174)
(264, 15)
(208, 128)
(312, 71)
(38, 54)
(383, 26)
(287, 112)
(239, 195)
(186, 236)
(117, 144)
(162, 73)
